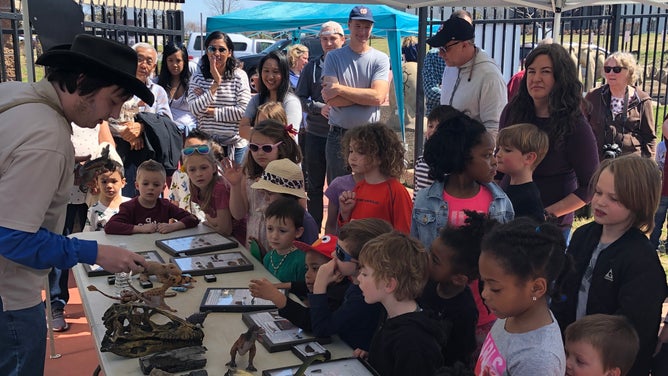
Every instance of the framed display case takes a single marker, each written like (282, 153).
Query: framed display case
(215, 263)
(96, 270)
(233, 299)
(345, 366)
(305, 351)
(279, 333)
(196, 244)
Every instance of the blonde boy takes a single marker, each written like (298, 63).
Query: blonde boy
(148, 213)
(600, 345)
(109, 184)
(394, 269)
(520, 149)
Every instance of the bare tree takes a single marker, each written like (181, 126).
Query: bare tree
(222, 6)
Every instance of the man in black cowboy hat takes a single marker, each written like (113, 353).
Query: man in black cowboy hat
(85, 83)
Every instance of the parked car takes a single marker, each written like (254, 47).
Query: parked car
(243, 45)
(250, 62)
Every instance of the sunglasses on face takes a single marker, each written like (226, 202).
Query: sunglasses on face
(607, 69)
(200, 149)
(213, 49)
(342, 255)
(267, 148)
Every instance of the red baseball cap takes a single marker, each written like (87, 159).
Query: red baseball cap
(325, 245)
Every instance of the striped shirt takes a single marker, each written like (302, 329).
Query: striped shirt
(421, 176)
(230, 101)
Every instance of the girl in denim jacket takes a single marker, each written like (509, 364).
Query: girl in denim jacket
(460, 155)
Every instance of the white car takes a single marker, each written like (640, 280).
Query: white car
(243, 45)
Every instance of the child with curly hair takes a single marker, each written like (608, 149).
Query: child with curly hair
(375, 151)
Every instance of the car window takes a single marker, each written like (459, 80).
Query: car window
(240, 46)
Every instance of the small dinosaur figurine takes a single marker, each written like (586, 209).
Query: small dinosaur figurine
(154, 297)
(198, 318)
(245, 343)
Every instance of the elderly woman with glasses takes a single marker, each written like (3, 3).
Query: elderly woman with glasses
(620, 114)
(219, 93)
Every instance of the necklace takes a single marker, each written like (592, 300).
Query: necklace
(271, 260)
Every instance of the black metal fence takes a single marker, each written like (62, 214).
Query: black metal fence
(591, 33)
(127, 24)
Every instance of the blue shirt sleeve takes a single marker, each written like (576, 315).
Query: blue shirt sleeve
(44, 249)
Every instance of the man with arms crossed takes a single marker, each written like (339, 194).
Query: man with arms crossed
(84, 84)
(355, 84)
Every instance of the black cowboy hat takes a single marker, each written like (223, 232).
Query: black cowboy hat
(103, 57)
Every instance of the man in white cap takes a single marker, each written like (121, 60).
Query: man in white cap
(355, 84)
(84, 84)
(317, 113)
(477, 87)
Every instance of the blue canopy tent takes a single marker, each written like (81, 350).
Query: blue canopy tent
(282, 16)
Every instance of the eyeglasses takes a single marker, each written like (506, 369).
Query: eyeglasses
(200, 149)
(142, 59)
(267, 148)
(617, 69)
(213, 49)
(446, 48)
(342, 255)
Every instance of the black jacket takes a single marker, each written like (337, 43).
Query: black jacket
(628, 280)
(300, 315)
(409, 344)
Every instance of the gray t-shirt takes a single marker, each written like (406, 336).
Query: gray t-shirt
(538, 352)
(359, 71)
(583, 294)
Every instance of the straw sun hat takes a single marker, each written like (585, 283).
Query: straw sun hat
(282, 176)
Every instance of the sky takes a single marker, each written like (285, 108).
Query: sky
(193, 8)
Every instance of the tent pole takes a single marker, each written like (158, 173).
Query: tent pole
(556, 26)
(419, 92)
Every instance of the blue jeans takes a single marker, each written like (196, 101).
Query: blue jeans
(239, 154)
(22, 341)
(316, 168)
(336, 165)
(659, 218)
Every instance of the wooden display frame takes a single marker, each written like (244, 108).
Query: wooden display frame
(344, 366)
(279, 333)
(233, 299)
(214, 263)
(196, 244)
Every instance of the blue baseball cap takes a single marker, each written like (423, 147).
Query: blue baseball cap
(361, 13)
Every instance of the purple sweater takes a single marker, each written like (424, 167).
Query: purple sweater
(131, 213)
(567, 168)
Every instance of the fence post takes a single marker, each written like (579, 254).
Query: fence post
(616, 27)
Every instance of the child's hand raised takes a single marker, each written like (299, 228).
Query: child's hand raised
(327, 273)
(263, 289)
(232, 171)
(347, 204)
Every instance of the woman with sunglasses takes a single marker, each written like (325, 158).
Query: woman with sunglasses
(175, 79)
(273, 86)
(619, 113)
(219, 94)
(550, 96)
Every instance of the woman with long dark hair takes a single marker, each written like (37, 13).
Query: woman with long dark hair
(175, 78)
(274, 86)
(219, 94)
(550, 96)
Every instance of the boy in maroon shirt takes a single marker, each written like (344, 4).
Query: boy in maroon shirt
(148, 213)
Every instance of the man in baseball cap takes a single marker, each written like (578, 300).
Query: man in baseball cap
(85, 82)
(476, 87)
(355, 82)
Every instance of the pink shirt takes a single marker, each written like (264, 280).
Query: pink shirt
(480, 203)
(221, 200)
